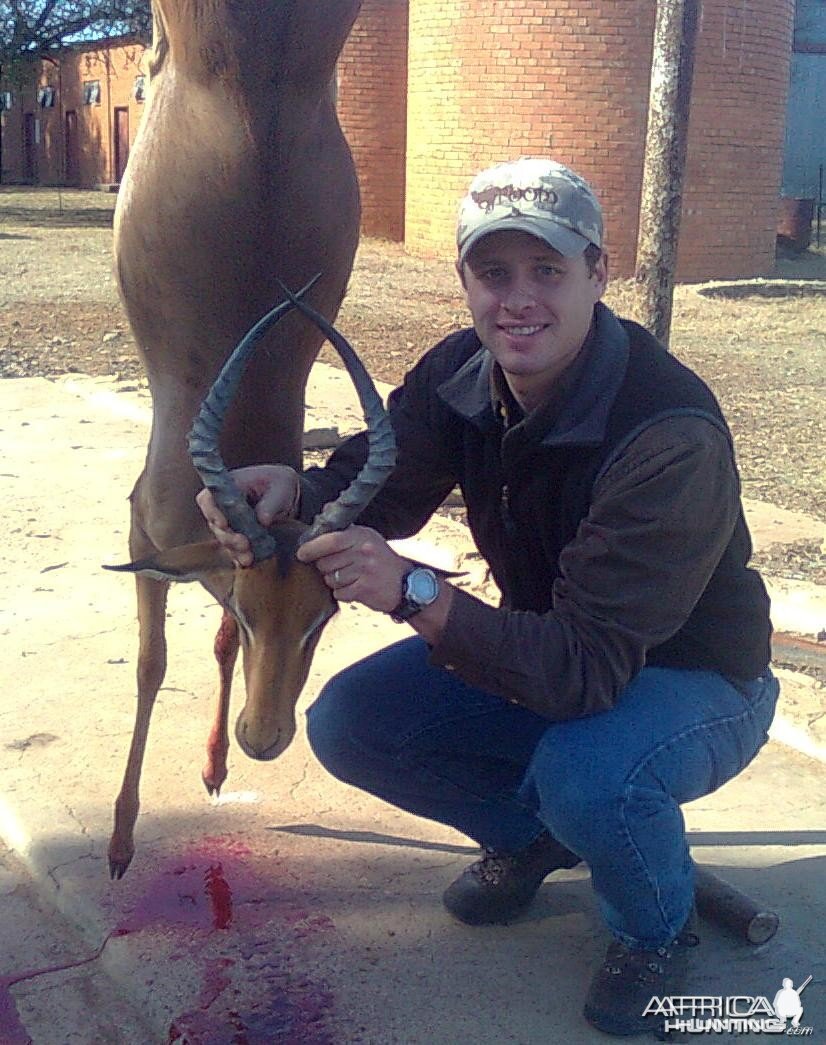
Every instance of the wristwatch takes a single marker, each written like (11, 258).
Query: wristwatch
(420, 588)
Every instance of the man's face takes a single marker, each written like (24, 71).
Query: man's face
(531, 307)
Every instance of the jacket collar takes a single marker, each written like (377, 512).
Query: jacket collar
(467, 391)
(582, 416)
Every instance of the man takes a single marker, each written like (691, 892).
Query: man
(626, 670)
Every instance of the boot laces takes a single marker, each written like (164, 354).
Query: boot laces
(493, 866)
(645, 965)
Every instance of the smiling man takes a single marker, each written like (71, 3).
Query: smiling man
(626, 670)
(532, 308)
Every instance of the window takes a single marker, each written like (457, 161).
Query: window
(91, 92)
(5, 101)
(140, 88)
(46, 97)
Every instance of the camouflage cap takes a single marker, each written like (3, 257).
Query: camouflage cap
(532, 195)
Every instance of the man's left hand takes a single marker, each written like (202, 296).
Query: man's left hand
(358, 565)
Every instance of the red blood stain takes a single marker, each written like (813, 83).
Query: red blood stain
(199, 1025)
(194, 891)
(288, 1010)
(192, 898)
(220, 895)
(226, 641)
(286, 1007)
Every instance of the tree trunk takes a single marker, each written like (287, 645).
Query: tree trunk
(672, 68)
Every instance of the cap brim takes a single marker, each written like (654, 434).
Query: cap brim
(569, 243)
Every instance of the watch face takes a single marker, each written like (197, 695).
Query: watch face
(422, 586)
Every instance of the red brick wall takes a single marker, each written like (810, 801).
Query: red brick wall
(493, 81)
(736, 139)
(372, 108)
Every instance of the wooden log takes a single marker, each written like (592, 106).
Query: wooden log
(721, 903)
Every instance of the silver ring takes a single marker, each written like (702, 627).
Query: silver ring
(336, 577)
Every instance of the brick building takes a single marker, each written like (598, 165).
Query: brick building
(478, 82)
(431, 90)
(75, 122)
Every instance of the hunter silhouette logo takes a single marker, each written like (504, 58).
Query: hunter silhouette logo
(787, 1003)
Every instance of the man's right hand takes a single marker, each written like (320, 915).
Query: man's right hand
(272, 488)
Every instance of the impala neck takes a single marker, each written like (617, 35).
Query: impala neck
(257, 44)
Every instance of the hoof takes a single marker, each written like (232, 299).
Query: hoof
(213, 787)
(118, 862)
(117, 868)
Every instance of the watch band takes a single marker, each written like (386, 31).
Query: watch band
(404, 611)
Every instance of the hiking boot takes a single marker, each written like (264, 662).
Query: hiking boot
(496, 888)
(627, 981)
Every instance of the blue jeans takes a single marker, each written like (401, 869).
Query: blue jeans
(607, 786)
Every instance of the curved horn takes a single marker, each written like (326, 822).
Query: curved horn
(206, 430)
(381, 442)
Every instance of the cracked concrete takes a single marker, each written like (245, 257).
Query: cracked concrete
(51, 999)
(297, 785)
(293, 895)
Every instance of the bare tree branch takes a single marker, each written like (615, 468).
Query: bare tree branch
(32, 29)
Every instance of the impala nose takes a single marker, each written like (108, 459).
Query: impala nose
(263, 747)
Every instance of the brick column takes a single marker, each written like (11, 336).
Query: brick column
(372, 107)
(490, 81)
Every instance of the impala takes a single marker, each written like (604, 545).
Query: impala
(239, 176)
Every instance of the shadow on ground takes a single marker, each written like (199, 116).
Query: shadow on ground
(55, 218)
(780, 288)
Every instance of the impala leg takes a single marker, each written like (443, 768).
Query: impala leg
(151, 669)
(226, 653)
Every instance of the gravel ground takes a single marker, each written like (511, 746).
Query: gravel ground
(761, 346)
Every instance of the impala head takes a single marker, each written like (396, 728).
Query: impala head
(280, 604)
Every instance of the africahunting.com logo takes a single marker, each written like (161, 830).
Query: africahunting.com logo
(736, 1014)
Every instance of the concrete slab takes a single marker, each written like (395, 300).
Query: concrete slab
(295, 909)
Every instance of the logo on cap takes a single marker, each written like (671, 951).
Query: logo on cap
(489, 198)
(533, 195)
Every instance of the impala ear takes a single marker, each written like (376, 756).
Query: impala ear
(189, 562)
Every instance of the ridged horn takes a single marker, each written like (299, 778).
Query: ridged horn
(204, 437)
(381, 442)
